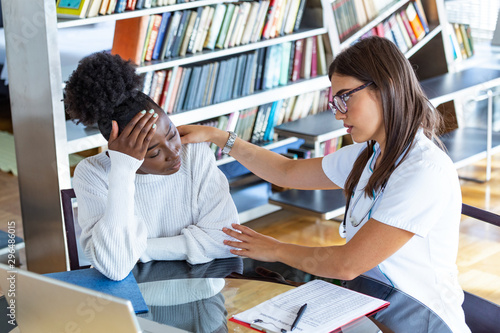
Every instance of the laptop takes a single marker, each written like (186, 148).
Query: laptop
(42, 304)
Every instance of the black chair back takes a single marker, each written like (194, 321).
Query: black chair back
(481, 316)
(67, 197)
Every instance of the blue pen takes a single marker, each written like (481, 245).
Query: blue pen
(299, 315)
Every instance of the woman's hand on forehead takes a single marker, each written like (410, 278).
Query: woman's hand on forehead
(136, 136)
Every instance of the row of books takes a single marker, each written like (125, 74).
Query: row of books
(93, 8)
(405, 27)
(257, 124)
(173, 34)
(351, 15)
(461, 41)
(185, 88)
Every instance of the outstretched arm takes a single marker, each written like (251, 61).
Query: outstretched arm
(371, 245)
(301, 174)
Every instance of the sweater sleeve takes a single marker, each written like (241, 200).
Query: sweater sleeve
(212, 209)
(112, 237)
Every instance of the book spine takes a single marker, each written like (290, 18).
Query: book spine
(297, 59)
(421, 15)
(215, 27)
(161, 36)
(314, 57)
(153, 37)
(300, 14)
(415, 22)
(408, 27)
(194, 32)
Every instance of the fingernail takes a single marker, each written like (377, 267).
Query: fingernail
(151, 111)
(143, 111)
(154, 125)
(155, 115)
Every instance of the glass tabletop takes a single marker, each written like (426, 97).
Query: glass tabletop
(201, 298)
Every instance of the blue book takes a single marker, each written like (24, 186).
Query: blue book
(161, 35)
(93, 279)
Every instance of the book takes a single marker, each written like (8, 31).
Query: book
(314, 56)
(292, 16)
(271, 12)
(421, 15)
(91, 278)
(466, 40)
(231, 30)
(206, 27)
(161, 35)
(228, 16)
(321, 59)
(129, 38)
(192, 86)
(172, 96)
(408, 27)
(251, 22)
(213, 33)
(72, 8)
(166, 88)
(188, 33)
(112, 7)
(166, 50)
(104, 7)
(194, 31)
(94, 7)
(198, 29)
(300, 14)
(242, 22)
(181, 30)
(397, 34)
(297, 59)
(212, 82)
(155, 27)
(415, 22)
(404, 32)
(256, 34)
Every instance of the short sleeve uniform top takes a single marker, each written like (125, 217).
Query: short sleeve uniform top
(422, 196)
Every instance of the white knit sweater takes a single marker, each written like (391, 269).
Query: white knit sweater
(126, 216)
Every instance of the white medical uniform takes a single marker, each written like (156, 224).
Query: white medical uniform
(422, 196)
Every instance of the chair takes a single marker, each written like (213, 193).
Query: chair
(481, 315)
(77, 258)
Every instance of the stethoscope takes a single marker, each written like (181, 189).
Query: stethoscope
(342, 227)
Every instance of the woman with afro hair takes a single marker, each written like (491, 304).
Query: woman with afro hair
(147, 197)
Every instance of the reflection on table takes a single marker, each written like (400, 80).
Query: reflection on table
(201, 298)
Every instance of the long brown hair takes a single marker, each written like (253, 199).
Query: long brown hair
(405, 106)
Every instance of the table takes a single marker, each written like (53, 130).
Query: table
(201, 298)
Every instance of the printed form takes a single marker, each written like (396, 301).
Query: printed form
(328, 308)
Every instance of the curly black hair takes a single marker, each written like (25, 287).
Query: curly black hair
(103, 88)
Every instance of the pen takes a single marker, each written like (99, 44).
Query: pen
(299, 315)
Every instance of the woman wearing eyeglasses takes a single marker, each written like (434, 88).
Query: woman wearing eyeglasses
(402, 220)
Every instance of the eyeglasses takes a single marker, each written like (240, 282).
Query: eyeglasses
(339, 102)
